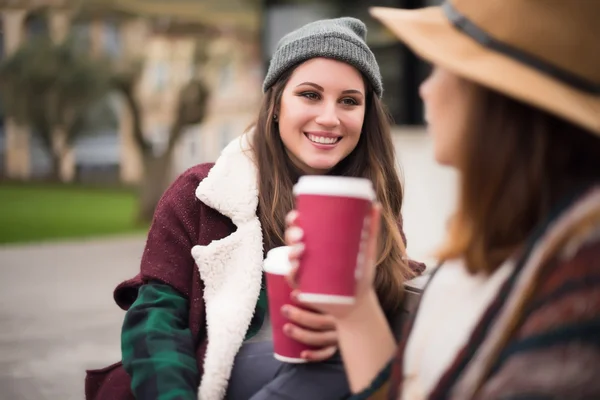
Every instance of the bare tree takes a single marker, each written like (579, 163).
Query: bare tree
(190, 109)
(51, 88)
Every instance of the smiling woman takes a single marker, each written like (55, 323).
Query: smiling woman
(320, 121)
(198, 315)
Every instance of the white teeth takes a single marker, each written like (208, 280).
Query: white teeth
(321, 139)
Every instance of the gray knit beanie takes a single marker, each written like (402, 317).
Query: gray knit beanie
(341, 39)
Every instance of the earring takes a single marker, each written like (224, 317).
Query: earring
(275, 117)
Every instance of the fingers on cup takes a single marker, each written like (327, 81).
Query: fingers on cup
(296, 251)
(319, 355)
(311, 338)
(292, 275)
(309, 319)
(291, 217)
(293, 235)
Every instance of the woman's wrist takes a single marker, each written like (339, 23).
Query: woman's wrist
(366, 342)
(366, 306)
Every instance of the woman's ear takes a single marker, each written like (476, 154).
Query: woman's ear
(276, 110)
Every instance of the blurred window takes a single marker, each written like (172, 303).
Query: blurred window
(81, 35)
(158, 135)
(112, 39)
(36, 24)
(40, 159)
(160, 76)
(227, 74)
(99, 149)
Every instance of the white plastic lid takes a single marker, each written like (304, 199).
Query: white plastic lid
(344, 186)
(277, 261)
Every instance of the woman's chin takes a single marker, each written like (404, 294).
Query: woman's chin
(319, 168)
(443, 159)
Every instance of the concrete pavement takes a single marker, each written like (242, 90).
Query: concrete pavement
(57, 316)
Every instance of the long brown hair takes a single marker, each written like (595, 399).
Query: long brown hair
(519, 161)
(372, 158)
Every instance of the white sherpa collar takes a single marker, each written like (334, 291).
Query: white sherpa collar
(230, 268)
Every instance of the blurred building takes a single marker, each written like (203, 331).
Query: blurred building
(20, 20)
(109, 33)
(232, 70)
(164, 34)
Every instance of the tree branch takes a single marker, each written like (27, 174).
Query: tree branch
(125, 87)
(174, 134)
(191, 109)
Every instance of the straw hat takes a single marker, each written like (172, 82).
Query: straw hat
(543, 52)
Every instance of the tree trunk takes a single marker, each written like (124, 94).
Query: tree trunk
(44, 134)
(54, 174)
(63, 155)
(156, 178)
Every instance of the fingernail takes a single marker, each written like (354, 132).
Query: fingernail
(287, 329)
(291, 216)
(295, 233)
(294, 263)
(298, 248)
(285, 310)
(304, 355)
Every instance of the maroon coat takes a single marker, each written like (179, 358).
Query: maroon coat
(174, 232)
(179, 205)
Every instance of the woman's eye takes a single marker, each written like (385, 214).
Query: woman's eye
(349, 101)
(310, 95)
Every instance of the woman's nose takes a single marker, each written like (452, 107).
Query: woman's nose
(328, 116)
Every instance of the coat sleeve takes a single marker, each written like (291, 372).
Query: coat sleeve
(156, 341)
(379, 388)
(174, 231)
(157, 346)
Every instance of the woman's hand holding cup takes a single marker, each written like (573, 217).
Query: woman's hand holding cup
(312, 328)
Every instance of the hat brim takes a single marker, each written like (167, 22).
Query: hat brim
(430, 34)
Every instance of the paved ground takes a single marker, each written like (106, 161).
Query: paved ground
(57, 317)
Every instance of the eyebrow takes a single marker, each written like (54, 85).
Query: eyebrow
(320, 88)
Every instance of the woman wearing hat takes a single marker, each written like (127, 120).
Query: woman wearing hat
(197, 323)
(513, 312)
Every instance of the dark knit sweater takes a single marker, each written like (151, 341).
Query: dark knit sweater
(175, 230)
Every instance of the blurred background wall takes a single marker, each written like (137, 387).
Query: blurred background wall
(102, 103)
(236, 37)
(133, 92)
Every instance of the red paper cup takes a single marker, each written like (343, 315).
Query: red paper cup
(333, 213)
(277, 266)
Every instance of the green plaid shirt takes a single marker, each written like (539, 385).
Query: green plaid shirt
(157, 346)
